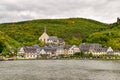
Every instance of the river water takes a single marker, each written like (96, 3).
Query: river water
(60, 70)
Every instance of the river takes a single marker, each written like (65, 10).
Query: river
(60, 70)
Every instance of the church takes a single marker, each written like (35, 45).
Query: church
(46, 39)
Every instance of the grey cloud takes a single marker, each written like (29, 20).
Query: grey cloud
(18, 10)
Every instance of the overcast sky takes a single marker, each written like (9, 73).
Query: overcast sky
(19, 10)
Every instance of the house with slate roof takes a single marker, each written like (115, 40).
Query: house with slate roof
(33, 52)
(66, 48)
(97, 49)
(30, 52)
(73, 49)
(59, 50)
(48, 50)
(42, 51)
(88, 47)
(117, 52)
(104, 50)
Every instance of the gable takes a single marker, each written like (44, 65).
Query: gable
(43, 36)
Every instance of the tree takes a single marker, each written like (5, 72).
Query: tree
(90, 55)
(79, 54)
(61, 55)
(1, 47)
(5, 52)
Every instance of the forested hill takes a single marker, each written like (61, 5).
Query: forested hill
(7, 43)
(72, 30)
(109, 37)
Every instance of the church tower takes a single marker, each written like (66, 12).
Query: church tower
(44, 37)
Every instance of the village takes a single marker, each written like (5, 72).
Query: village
(55, 48)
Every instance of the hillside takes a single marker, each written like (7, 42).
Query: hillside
(72, 30)
(7, 43)
(110, 37)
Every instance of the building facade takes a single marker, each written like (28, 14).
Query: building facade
(46, 39)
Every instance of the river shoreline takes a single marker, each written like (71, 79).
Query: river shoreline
(63, 59)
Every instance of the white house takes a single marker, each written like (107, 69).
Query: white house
(73, 49)
(96, 49)
(42, 51)
(21, 50)
(28, 52)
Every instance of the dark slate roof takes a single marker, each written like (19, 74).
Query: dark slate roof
(61, 40)
(60, 47)
(100, 49)
(116, 51)
(31, 49)
(53, 38)
(87, 47)
(104, 49)
(67, 47)
(94, 47)
(54, 47)
(48, 48)
(36, 46)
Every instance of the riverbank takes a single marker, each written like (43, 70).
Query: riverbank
(63, 58)
(69, 59)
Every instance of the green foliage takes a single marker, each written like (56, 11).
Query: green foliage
(21, 54)
(90, 55)
(44, 56)
(83, 55)
(6, 43)
(106, 38)
(1, 47)
(61, 55)
(79, 54)
(7, 53)
(71, 30)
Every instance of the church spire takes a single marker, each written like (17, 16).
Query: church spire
(45, 29)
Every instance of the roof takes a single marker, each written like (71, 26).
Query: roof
(54, 38)
(87, 47)
(31, 49)
(67, 47)
(36, 46)
(61, 40)
(48, 48)
(44, 35)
